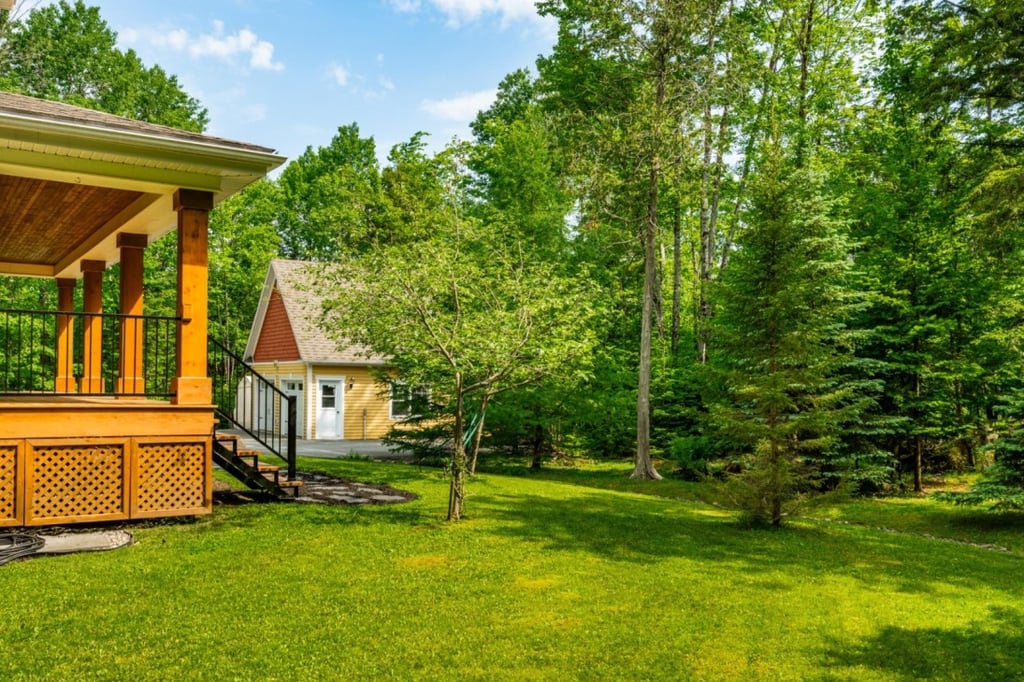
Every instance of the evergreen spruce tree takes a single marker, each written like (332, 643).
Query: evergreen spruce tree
(1002, 486)
(785, 345)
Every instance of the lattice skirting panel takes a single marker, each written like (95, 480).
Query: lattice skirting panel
(58, 481)
(10, 497)
(77, 481)
(172, 477)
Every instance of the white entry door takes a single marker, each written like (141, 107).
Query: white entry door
(293, 388)
(264, 409)
(328, 415)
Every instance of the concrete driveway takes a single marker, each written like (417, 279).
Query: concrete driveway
(333, 448)
(348, 448)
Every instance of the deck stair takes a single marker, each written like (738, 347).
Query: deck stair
(248, 403)
(243, 463)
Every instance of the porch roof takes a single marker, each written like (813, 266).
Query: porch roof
(71, 179)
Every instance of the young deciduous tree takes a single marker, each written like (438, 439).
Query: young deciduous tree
(466, 313)
(466, 317)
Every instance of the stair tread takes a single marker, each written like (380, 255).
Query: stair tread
(265, 468)
(227, 436)
(290, 484)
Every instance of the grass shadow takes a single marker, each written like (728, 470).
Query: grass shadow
(989, 650)
(625, 527)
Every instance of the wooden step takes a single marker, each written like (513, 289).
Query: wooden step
(267, 468)
(286, 485)
(253, 455)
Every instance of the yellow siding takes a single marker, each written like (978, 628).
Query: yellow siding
(365, 393)
(282, 370)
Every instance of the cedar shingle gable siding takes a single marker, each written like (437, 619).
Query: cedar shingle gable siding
(277, 340)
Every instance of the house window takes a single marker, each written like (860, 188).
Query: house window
(327, 396)
(406, 402)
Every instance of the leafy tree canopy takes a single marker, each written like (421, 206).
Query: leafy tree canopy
(67, 52)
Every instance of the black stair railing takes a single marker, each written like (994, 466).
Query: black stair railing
(250, 402)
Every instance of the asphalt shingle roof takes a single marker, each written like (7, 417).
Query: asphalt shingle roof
(30, 107)
(300, 285)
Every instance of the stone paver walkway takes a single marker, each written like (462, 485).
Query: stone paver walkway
(322, 489)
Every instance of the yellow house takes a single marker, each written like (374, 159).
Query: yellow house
(106, 415)
(337, 395)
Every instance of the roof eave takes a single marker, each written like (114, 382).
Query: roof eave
(235, 166)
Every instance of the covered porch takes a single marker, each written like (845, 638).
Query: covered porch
(106, 414)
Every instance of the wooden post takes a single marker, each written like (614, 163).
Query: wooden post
(191, 384)
(65, 380)
(131, 378)
(92, 302)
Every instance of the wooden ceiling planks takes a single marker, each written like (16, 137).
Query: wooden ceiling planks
(41, 221)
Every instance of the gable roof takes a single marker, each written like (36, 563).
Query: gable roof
(298, 285)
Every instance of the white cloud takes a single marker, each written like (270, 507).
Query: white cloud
(262, 57)
(227, 47)
(245, 42)
(461, 108)
(339, 74)
(405, 6)
(175, 39)
(459, 12)
(359, 84)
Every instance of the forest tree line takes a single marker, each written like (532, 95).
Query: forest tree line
(775, 240)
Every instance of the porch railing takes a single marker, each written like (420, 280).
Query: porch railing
(49, 352)
(249, 401)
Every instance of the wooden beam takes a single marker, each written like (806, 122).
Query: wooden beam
(92, 302)
(26, 269)
(191, 385)
(65, 381)
(131, 378)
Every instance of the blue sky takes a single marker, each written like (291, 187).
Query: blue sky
(286, 73)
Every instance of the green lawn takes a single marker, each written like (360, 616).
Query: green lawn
(551, 576)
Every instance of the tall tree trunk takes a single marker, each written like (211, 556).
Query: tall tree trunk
(677, 260)
(538, 447)
(919, 445)
(457, 490)
(804, 40)
(708, 188)
(707, 246)
(644, 467)
(918, 466)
